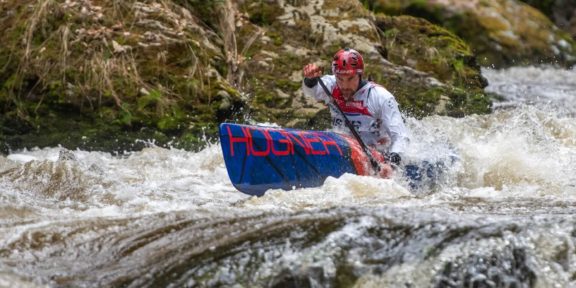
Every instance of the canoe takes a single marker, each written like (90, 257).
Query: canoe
(259, 158)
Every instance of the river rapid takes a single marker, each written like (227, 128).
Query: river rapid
(503, 214)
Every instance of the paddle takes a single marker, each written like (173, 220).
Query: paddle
(373, 162)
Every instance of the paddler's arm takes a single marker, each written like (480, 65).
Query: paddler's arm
(393, 124)
(398, 132)
(310, 87)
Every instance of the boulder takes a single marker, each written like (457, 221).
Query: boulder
(501, 32)
(561, 12)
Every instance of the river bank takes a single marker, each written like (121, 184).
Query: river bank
(110, 76)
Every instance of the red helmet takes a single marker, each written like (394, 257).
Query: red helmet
(347, 61)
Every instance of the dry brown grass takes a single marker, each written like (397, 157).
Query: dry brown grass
(86, 45)
(228, 29)
(40, 10)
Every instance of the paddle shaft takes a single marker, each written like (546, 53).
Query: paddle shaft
(373, 161)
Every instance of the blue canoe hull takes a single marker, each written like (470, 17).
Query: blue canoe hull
(259, 158)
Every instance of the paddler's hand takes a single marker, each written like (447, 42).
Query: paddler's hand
(312, 71)
(385, 171)
(311, 74)
(394, 158)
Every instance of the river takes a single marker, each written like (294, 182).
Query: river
(502, 216)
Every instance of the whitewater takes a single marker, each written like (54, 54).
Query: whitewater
(501, 216)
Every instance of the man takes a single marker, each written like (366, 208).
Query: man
(371, 109)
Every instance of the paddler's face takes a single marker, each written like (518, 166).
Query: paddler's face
(348, 85)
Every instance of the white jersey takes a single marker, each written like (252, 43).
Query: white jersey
(373, 112)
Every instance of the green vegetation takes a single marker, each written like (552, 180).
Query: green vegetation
(98, 75)
(501, 33)
(546, 6)
(124, 67)
(417, 43)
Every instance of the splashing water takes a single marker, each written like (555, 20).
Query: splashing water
(502, 215)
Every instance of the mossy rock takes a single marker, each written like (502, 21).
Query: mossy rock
(561, 12)
(419, 44)
(155, 74)
(501, 33)
(444, 79)
(546, 6)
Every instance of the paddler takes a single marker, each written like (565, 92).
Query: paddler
(371, 109)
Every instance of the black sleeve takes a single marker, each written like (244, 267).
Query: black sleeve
(310, 82)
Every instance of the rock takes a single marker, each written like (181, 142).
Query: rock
(501, 32)
(561, 12)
